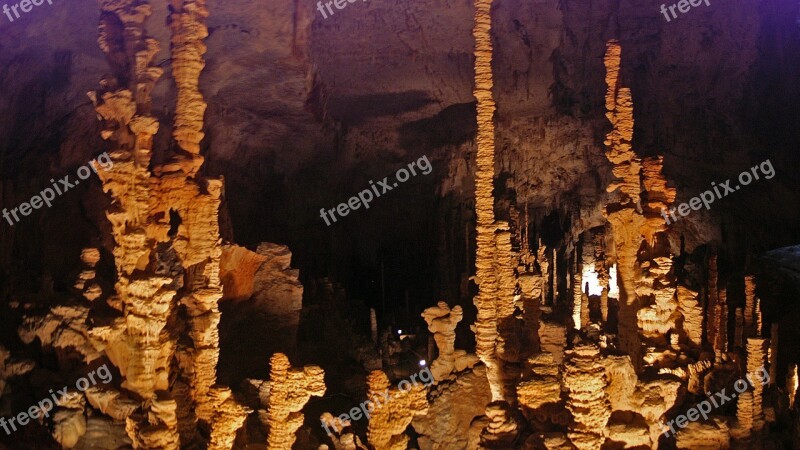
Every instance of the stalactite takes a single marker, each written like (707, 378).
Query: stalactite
(544, 267)
(290, 390)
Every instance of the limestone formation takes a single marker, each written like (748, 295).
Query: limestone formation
(187, 23)
(792, 383)
(442, 322)
(749, 306)
(388, 422)
(502, 430)
(772, 356)
(228, 416)
(290, 390)
(341, 440)
(585, 382)
(625, 218)
(692, 314)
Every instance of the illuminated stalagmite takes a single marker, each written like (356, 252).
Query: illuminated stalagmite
(495, 325)
(388, 422)
(625, 218)
(585, 382)
(290, 390)
(442, 322)
(165, 227)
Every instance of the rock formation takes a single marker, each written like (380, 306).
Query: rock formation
(625, 217)
(388, 421)
(290, 390)
(442, 323)
(585, 382)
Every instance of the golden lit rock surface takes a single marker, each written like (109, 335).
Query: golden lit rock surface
(388, 422)
(290, 390)
(442, 322)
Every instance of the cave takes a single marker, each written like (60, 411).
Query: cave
(393, 225)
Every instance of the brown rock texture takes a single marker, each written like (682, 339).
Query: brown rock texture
(692, 313)
(585, 382)
(388, 422)
(290, 390)
(187, 23)
(453, 405)
(442, 322)
(625, 218)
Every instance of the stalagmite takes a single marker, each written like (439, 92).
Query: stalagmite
(228, 417)
(625, 218)
(388, 422)
(749, 306)
(585, 382)
(721, 320)
(187, 23)
(166, 227)
(488, 317)
(531, 293)
(773, 353)
(502, 430)
(290, 390)
(442, 322)
(712, 312)
(544, 267)
(738, 334)
(577, 292)
(756, 367)
(792, 383)
(692, 313)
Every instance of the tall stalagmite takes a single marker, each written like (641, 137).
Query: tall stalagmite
(494, 324)
(625, 217)
(166, 231)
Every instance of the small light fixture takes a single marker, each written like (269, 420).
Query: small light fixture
(422, 363)
(399, 331)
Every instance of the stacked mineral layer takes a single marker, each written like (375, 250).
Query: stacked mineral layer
(187, 23)
(496, 329)
(585, 383)
(228, 417)
(136, 343)
(166, 228)
(290, 390)
(625, 219)
(442, 322)
(388, 422)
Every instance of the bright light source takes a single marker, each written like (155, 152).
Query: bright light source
(399, 331)
(422, 363)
